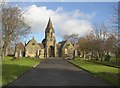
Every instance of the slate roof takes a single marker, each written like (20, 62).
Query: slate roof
(19, 45)
(61, 44)
(29, 41)
(41, 45)
(76, 46)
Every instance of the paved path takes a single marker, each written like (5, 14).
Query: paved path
(58, 72)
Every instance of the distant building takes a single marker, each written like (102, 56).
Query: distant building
(19, 50)
(48, 47)
(77, 53)
(66, 49)
(49, 42)
(34, 49)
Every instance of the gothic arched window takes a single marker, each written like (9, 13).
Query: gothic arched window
(51, 34)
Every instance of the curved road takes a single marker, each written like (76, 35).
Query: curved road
(58, 72)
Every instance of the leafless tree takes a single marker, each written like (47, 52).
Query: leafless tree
(116, 27)
(2, 3)
(116, 18)
(83, 46)
(73, 38)
(98, 43)
(13, 26)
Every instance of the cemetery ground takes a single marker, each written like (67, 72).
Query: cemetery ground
(12, 69)
(107, 70)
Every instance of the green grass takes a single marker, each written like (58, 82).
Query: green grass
(11, 69)
(0, 72)
(106, 72)
(112, 62)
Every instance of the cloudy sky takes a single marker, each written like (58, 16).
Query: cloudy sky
(67, 17)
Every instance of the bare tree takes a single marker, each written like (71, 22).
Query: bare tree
(73, 38)
(116, 27)
(101, 33)
(89, 46)
(2, 3)
(116, 18)
(13, 26)
(0, 44)
(98, 43)
(83, 46)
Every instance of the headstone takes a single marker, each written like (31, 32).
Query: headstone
(76, 53)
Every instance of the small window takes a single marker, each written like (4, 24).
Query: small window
(66, 51)
(33, 44)
(50, 39)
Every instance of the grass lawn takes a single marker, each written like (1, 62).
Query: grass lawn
(11, 69)
(106, 72)
(112, 62)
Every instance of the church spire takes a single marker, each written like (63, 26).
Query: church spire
(49, 26)
(33, 37)
(49, 19)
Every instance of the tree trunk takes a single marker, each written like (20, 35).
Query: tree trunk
(16, 53)
(2, 54)
(84, 55)
(99, 55)
(102, 55)
(91, 55)
(116, 55)
(5, 45)
(5, 49)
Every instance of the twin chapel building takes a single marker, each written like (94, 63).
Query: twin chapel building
(48, 47)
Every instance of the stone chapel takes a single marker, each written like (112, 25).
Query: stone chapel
(48, 47)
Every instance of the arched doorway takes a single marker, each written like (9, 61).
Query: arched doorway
(51, 51)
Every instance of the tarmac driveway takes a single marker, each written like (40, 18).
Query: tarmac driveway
(58, 72)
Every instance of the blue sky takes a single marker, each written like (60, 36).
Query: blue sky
(102, 10)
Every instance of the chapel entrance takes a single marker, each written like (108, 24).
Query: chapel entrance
(51, 52)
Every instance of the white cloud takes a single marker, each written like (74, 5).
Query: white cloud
(64, 22)
(78, 14)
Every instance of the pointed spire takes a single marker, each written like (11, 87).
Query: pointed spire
(50, 22)
(49, 19)
(49, 26)
(33, 38)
